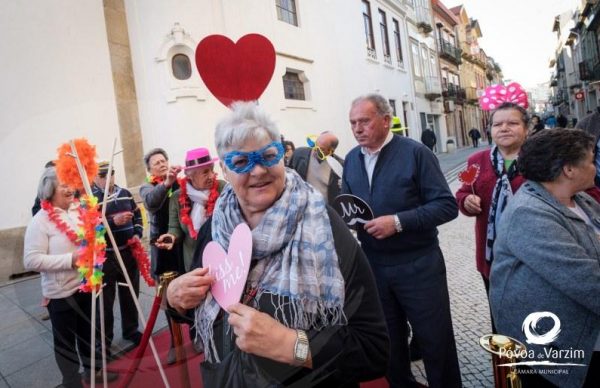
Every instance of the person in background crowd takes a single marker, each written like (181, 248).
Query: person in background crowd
(547, 259)
(475, 136)
(311, 165)
(155, 194)
(591, 125)
(125, 221)
(50, 248)
(488, 134)
(551, 121)
(289, 151)
(536, 124)
(428, 138)
(402, 182)
(192, 204)
(37, 204)
(498, 180)
(562, 121)
(309, 314)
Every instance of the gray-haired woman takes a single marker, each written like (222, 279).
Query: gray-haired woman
(51, 250)
(547, 260)
(310, 314)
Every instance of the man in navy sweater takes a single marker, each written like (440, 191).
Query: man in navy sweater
(125, 221)
(402, 182)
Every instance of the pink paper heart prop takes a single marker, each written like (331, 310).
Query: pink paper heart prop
(235, 71)
(229, 269)
(495, 95)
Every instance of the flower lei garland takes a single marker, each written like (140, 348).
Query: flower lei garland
(141, 257)
(60, 224)
(89, 239)
(92, 244)
(185, 204)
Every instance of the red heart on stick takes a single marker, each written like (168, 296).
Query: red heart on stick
(235, 71)
(469, 176)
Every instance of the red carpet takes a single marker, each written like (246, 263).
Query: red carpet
(148, 375)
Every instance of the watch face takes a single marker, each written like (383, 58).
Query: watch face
(302, 352)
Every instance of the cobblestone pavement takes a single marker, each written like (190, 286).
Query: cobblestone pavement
(26, 357)
(470, 311)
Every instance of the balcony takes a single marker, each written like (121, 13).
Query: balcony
(433, 87)
(461, 95)
(371, 53)
(449, 91)
(589, 70)
(423, 15)
(450, 52)
(471, 94)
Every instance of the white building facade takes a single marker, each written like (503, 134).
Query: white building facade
(62, 61)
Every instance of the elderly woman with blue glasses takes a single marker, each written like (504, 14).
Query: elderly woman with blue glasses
(310, 314)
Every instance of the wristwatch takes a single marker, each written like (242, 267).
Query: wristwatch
(397, 224)
(301, 347)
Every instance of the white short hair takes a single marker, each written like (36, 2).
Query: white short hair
(246, 121)
(47, 184)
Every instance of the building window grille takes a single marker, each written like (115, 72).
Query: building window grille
(293, 87)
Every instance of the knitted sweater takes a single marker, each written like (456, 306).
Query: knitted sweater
(407, 181)
(484, 188)
(49, 251)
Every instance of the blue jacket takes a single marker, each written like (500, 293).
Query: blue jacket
(547, 259)
(407, 181)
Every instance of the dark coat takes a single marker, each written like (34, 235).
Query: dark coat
(300, 161)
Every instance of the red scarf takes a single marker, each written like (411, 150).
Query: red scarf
(58, 222)
(185, 204)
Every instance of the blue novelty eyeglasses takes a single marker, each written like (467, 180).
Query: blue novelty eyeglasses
(243, 162)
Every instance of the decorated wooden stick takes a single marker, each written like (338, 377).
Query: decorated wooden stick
(88, 190)
(127, 279)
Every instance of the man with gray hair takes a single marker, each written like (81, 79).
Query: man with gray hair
(402, 182)
(311, 164)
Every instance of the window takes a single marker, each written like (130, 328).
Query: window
(368, 29)
(393, 106)
(425, 61)
(286, 11)
(181, 66)
(293, 87)
(414, 48)
(432, 59)
(385, 40)
(398, 43)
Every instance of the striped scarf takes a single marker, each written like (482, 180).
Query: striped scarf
(295, 262)
(501, 195)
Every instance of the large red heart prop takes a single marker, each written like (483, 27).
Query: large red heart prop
(235, 71)
(469, 175)
(229, 269)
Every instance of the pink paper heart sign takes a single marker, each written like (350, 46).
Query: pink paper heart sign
(229, 269)
(236, 71)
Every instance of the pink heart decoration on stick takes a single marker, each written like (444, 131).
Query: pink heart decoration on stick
(229, 269)
(235, 71)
